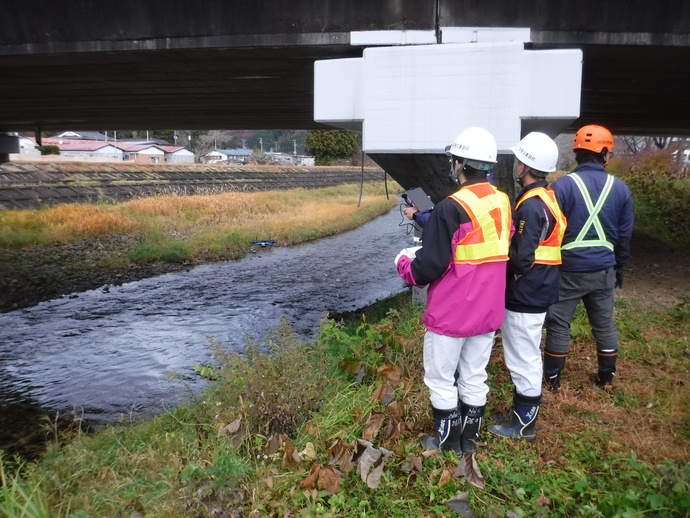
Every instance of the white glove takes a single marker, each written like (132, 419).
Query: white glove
(407, 252)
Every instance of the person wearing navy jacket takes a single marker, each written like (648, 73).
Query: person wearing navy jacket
(595, 251)
(532, 281)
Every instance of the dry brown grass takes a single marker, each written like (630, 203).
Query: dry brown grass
(644, 413)
(261, 213)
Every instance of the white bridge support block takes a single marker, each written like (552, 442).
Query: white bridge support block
(417, 98)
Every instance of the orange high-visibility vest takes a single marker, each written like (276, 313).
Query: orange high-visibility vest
(489, 210)
(549, 250)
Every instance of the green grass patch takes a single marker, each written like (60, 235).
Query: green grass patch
(286, 408)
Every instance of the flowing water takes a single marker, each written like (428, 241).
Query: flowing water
(131, 349)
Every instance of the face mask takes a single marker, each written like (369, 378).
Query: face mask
(518, 178)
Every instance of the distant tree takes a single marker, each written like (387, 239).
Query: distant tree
(636, 144)
(264, 140)
(167, 135)
(49, 150)
(327, 146)
(290, 141)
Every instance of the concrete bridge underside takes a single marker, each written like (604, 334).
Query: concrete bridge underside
(92, 65)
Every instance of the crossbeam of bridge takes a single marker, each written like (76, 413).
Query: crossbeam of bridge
(93, 65)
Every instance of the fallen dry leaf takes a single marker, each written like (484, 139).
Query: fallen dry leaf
(367, 457)
(460, 503)
(291, 456)
(393, 430)
(329, 479)
(336, 451)
(372, 426)
(231, 428)
(382, 391)
(469, 468)
(310, 481)
(309, 452)
(274, 443)
(312, 429)
(235, 430)
(350, 365)
(391, 372)
(446, 476)
(543, 500)
(394, 410)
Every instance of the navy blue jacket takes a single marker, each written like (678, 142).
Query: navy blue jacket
(616, 217)
(531, 288)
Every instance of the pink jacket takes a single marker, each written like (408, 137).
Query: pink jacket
(464, 299)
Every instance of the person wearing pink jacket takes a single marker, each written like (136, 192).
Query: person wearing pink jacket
(463, 261)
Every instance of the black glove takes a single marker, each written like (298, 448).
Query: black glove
(619, 278)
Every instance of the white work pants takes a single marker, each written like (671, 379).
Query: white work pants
(521, 333)
(446, 355)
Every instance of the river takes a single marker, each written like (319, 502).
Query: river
(130, 350)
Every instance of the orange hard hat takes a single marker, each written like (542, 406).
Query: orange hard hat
(594, 138)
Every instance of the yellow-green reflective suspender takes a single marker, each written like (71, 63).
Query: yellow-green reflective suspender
(593, 218)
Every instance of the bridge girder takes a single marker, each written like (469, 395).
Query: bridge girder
(88, 65)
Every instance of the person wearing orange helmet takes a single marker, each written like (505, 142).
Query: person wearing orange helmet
(595, 250)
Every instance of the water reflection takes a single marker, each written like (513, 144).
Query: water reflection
(111, 351)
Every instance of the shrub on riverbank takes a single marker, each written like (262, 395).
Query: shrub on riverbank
(331, 428)
(661, 195)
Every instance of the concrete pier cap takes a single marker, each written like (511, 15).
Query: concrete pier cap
(9, 143)
(410, 100)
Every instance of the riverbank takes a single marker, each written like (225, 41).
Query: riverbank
(53, 252)
(39, 184)
(331, 428)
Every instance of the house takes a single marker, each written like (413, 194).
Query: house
(279, 158)
(28, 147)
(304, 160)
(686, 156)
(90, 148)
(177, 155)
(142, 154)
(228, 156)
(82, 135)
(287, 159)
(77, 148)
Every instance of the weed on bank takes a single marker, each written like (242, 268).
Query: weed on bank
(330, 428)
(177, 228)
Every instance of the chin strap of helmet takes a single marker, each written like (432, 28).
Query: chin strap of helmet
(452, 174)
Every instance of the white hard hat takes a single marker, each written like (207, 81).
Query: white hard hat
(538, 152)
(477, 145)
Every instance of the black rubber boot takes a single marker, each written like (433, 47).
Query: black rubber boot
(471, 424)
(606, 361)
(553, 365)
(448, 426)
(602, 380)
(523, 419)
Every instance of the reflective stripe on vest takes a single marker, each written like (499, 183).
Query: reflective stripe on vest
(593, 219)
(549, 249)
(489, 211)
